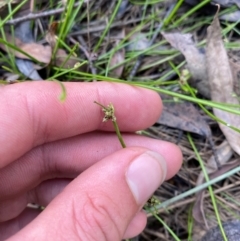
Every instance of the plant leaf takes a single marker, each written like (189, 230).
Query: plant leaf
(195, 57)
(37, 51)
(24, 33)
(184, 116)
(224, 153)
(222, 82)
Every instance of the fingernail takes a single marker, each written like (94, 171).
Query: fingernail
(145, 174)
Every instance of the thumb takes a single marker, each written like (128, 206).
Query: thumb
(104, 202)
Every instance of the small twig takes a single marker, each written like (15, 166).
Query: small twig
(109, 115)
(212, 145)
(32, 16)
(101, 25)
(140, 57)
(88, 55)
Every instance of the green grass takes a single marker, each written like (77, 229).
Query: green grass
(176, 21)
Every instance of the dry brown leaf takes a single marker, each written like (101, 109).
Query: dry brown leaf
(62, 59)
(37, 51)
(222, 82)
(23, 32)
(198, 210)
(118, 58)
(224, 153)
(184, 116)
(235, 67)
(196, 60)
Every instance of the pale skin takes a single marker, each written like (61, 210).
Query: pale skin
(60, 155)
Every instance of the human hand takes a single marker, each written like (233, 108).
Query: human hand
(60, 155)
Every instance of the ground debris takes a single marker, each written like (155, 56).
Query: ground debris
(183, 115)
(221, 78)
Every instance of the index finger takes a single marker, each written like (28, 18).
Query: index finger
(31, 113)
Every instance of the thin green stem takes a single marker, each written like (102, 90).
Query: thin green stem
(65, 71)
(193, 10)
(192, 191)
(209, 188)
(108, 26)
(190, 224)
(171, 15)
(63, 94)
(119, 134)
(165, 226)
(2, 22)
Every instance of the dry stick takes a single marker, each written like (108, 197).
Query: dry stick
(31, 16)
(102, 25)
(214, 151)
(88, 55)
(140, 57)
